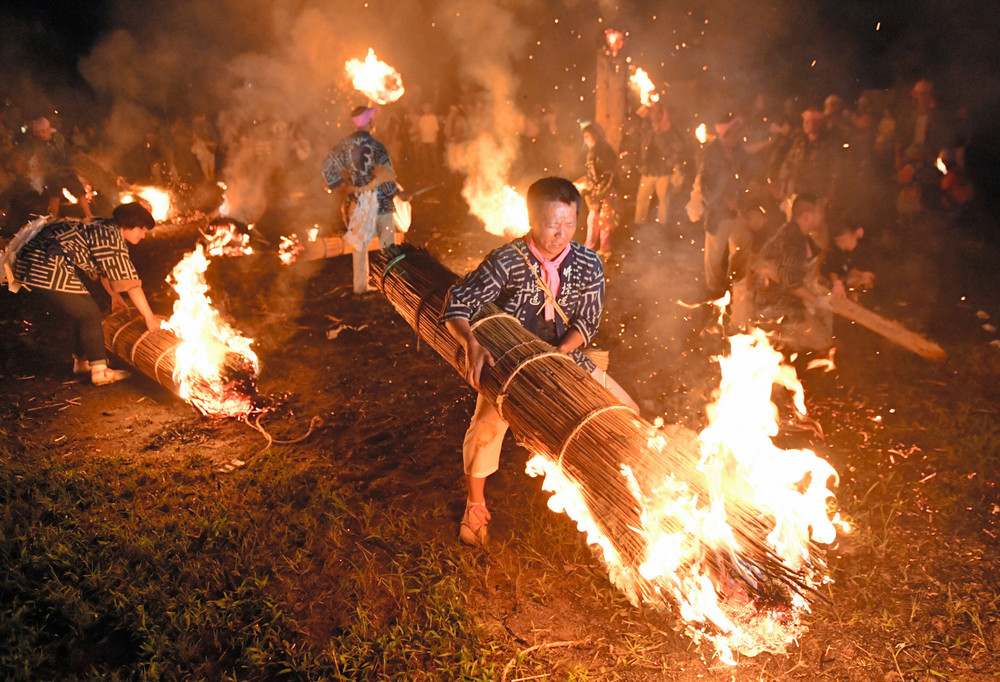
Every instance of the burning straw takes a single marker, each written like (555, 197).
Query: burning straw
(644, 495)
(230, 393)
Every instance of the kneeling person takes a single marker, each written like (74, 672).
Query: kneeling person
(532, 278)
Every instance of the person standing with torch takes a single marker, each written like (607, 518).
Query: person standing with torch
(555, 288)
(363, 163)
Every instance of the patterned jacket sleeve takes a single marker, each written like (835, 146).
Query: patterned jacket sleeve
(475, 289)
(332, 168)
(588, 317)
(110, 252)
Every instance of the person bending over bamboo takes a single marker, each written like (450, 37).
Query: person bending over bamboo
(555, 288)
(44, 259)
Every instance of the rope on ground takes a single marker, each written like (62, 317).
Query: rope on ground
(255, 425)
(538, 647)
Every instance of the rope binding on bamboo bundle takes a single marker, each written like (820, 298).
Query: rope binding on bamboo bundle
(135, 346)
(521, 365)
(583, 422)
(391, 264)
(114, 339)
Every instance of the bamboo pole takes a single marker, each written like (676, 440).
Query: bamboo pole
(330, 247)
(556, 409)
(890, 329)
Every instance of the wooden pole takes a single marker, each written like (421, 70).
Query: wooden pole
(890, 329)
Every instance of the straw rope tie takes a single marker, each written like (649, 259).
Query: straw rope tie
(114, 339)
(156, 364)
(416, 315)
(583, 422)
(524, 363)
(135, 346)
(389, 266)
(475, 324)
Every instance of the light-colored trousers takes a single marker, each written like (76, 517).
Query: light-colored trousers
(481, 448)
(386, 231)
(650, 185)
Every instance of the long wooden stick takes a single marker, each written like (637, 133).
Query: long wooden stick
(890, 329)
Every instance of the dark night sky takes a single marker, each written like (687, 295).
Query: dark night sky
(751, 40)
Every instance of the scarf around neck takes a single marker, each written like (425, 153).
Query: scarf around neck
(550, 274)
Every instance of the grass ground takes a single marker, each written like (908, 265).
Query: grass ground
(129, 552)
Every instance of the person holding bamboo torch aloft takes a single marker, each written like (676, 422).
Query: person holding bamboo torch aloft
(363, 163)
(555, 288)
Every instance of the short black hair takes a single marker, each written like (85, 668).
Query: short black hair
(802, 203)
(551, 189)
(357, 111)
(133, 215)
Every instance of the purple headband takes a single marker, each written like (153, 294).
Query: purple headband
(365, 117)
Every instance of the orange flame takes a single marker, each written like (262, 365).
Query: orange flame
(647, 91)
(289, 249)
(941, 166)
(502, 210)
(157, 200)
(701, 132)
(206, 341)
(225, 239)
(69, 196)
(742, 466)
(376, 79)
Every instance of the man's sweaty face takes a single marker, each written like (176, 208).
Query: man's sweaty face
(555, 224)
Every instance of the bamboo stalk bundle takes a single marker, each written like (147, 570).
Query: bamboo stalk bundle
(330, 247)
(890, 329)
(155, 355)
(556, 409)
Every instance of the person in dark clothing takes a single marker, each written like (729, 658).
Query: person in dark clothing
(45, 258)
(599, 190)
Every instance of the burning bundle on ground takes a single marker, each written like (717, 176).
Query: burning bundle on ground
(677, 521)
(195, 354)
(229, 392)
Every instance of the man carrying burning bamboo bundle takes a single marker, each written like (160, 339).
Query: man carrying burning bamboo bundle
(363, 163)
(44, 257)
(555, 289)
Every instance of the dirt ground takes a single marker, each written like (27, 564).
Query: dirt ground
(915, 589)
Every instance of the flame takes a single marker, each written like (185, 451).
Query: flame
(157, 200)
(742, 469)
(941, 166)
(69, 196)
(376, 79)
(701, 132)
(502, 210)
(289, 249)
(226, 239)
(207, 347)
(647, 91)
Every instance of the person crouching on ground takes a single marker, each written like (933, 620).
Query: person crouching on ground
(786, 296)
(46, 265)
(532, 278)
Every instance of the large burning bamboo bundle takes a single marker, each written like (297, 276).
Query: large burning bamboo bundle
(155, 355)
(618, 461)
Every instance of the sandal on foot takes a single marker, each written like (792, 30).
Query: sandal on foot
(107, 376)
(473, 528)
